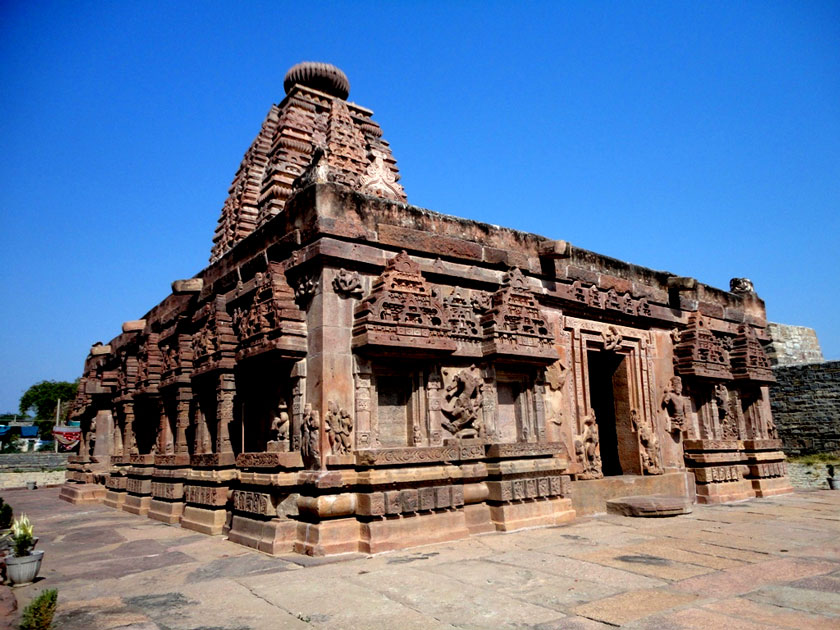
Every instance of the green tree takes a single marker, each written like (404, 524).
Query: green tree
(42, 397)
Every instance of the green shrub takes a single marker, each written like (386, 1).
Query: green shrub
(5, 515)
(38, 615)
(22, 536)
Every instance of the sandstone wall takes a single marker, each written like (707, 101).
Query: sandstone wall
(18, 480)
(793, 345)
(806, 407)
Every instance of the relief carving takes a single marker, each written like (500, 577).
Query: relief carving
(555, 378)
(310, 448)
(279, 429)
(462, 404)
(339, 427)
(348, 284)
(726, 419)
(676, 406)
(612, 338)
(586, 449)
(648, 441)
(305, 288)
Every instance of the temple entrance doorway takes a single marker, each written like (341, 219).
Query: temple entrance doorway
(609, 395)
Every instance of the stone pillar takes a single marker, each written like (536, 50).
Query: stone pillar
(129, 441)
(166, 444)
(183, 420)
(224, 412)
(104, 434)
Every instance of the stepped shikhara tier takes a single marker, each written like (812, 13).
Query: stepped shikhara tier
(353, 373)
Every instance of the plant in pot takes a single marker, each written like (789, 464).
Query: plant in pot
(23, 565)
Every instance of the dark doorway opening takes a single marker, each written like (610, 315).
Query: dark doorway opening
(609, 397)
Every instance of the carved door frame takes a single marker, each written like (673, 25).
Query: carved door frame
(635, 345)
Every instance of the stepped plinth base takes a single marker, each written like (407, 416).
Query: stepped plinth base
(399, 532)
(82, 493)
(478, 518)
(328, 537)
(204, 520)
(771, 487)
(115, 498)
(137, 504)
(724, 492)
(272, 536)
(509, 517)
(166, 511)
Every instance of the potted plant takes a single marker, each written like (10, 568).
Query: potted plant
(23, 565)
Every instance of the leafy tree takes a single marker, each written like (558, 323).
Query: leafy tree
(43, 397)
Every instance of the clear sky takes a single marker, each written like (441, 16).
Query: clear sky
(701, 138)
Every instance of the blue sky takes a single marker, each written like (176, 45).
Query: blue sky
(701, 138)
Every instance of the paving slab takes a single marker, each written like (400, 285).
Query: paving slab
(626, 607)
(769, 563)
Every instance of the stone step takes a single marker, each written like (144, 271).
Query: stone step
(649, 506)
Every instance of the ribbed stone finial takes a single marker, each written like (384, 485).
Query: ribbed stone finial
(319, 76)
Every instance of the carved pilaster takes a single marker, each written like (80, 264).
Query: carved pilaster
(433, 389)
(224, 414)
(182, 421)
(298, 388)
(129, 441)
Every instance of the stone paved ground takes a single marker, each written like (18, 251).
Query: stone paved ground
(769, 563)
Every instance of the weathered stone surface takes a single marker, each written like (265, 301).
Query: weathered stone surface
(806, 407)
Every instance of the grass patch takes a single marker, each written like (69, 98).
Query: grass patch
(815, 459)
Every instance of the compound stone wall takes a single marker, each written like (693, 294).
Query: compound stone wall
(793, 345)
(32, 461)
(806, 407)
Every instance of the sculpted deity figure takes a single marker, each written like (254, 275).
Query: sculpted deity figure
(612, 338)
(675, 404)
(310, 448)
(339, 427)
(279, 428)
(728, 429)
(649, 443)
(586, 448)
(463, 403)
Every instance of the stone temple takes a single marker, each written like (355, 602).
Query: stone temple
(354, 373)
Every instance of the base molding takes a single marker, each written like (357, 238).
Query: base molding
(509, 517)
(204, 520)
(273, 536)
(115, 498)
(137, 504)
(166, 511)
(82, 493)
